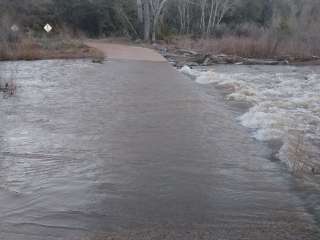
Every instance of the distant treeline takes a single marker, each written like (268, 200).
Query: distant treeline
(127, 17)
(162, 19)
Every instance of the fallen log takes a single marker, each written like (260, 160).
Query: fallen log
(181, 57)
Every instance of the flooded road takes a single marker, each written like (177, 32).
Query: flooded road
(134, 149)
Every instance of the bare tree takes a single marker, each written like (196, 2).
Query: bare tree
(212, 13)
(157, 7)
(152, 10)
(203, 6)
(140, 16)
(183, 7)
(146, 19)
(140, 11)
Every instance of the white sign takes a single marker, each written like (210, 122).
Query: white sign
(14, 28)
(47, 28)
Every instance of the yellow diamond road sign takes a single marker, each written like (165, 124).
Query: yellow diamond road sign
(47, 28)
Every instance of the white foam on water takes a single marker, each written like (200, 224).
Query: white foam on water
(190, 72)
(285, 100)
(206, 78)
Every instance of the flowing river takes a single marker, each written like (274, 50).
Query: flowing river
(282, 107)
(88, 149)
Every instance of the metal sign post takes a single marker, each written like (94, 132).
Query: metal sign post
(48, 28)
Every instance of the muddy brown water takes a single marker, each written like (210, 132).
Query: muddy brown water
(134, 150)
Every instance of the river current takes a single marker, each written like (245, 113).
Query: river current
(283, 107)
(136, 150)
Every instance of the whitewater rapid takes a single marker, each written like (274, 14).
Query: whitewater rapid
(284, 106)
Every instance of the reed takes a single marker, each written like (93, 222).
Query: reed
(264, 46)
(300, 154)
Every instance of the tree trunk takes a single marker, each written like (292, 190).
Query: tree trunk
(210, 18)
(140, 11)
(147, 20)
(140, 18)
(156, 20)
(203, 5)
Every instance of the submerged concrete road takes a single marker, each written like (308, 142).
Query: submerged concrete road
(118, 51)
(132, 149)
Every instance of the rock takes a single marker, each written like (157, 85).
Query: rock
(98, 61)
(163, 51)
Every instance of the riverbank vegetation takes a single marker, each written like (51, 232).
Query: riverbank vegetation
(44, 48)
(246, 28)
(16, 45)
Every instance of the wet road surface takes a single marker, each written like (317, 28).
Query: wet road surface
(135, 150)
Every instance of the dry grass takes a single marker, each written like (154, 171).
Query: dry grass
(265, 46)
(54, 48)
